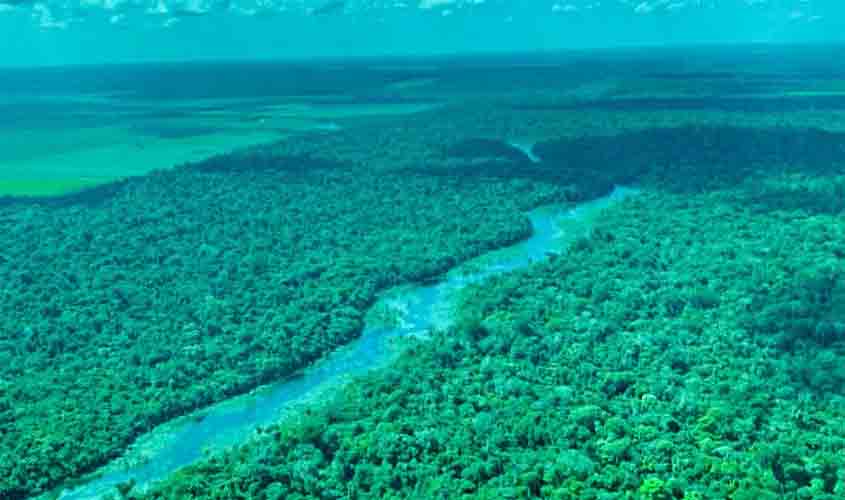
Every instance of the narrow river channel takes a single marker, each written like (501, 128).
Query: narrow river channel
(414, 310)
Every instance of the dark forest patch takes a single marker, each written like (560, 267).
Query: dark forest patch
(779, 104)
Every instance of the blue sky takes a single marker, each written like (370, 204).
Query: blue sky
(49, 32)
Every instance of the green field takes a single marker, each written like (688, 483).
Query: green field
(50, 160)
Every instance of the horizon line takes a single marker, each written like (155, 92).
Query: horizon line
(437, 56)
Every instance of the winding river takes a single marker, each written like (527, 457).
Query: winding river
(411, 310)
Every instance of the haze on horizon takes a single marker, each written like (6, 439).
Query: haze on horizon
(58, 32)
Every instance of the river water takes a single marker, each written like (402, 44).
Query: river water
(402, 312)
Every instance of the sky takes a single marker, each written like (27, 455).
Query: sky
(58, 32)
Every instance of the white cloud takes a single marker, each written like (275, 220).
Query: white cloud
(190, 7)
(244, 11)
(45, 19)
(644, 8)
(431, 4)
(564, 8)
(96, 4)
(64, 13)
(159, 8)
